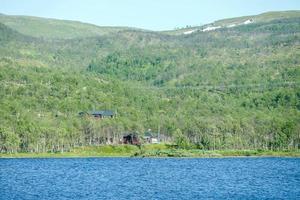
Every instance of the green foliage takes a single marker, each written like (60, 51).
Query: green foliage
(9, 142)
(181, 140)
(234, 88)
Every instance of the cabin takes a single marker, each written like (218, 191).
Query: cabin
(100, 114)
(130, 138)
(149, 138)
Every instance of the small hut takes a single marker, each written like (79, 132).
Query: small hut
(99, 114)
(150, 138)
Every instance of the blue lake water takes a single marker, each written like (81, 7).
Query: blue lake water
(147, 178)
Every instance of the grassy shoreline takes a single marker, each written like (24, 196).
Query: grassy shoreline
(151, 151)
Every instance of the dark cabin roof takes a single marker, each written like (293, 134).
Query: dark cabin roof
(148, 134)
(99, 112)
(102, 112)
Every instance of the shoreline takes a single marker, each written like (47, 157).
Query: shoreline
(152, 151)
(151, 157)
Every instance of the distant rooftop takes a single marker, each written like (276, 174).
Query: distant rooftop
(99, 113)
(102, 112)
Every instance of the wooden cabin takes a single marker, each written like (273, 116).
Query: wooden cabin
(99, 114)
(150, 138)
(131, 138)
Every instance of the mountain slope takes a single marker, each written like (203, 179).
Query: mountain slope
(221, 57)
(228, 88)
(53, 28)
(238, 21)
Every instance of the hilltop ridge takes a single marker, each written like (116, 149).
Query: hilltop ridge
(232, 22)
(68, 29)
(55, 28)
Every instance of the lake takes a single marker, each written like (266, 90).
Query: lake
(150, 178)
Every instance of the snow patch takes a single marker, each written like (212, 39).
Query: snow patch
(249, 21)
(189, 32)
(231, 25)
(211, 28)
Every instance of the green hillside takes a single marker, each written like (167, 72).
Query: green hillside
(53, 28)
(264, 17)
(229, 88)
(226, 23)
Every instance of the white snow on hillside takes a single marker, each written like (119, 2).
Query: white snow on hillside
(189, 32)
(231, 25)
(211, 28)
(249, 21)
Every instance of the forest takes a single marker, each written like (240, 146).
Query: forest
(231, 88)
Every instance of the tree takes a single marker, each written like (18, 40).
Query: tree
(181, 140)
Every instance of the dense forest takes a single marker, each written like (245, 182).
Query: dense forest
(230, 88)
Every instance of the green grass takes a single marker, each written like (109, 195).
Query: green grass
(152, 150)
(54, 28)
(88, 151)
(173, 152)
